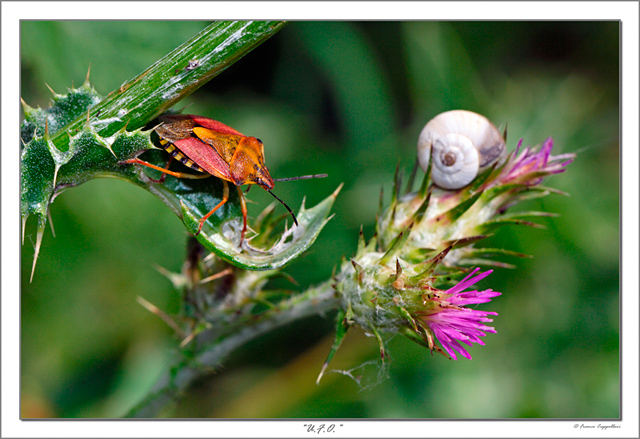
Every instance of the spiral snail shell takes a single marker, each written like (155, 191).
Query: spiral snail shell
(462, 144)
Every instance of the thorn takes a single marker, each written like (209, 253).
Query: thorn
(359, 271)
(342, 326)
(397, 179)
(433, 346)
(157, 311)
(407, 315)
(376, 241)
(28, 110)
(380, 343)
(39, 236)
(324, 368)
(181, 109)
(24, 226)
(86, 81)
(461, 242)
(223, 273)
(51, 90)
(109, 146)
(46, 129)
(373, 243)
(380, 202)
(337, 191)
(176, 279)
(361, 243)
(53, 232)
(286, 276)
(397, 281)
(55, 176)
(187, 339)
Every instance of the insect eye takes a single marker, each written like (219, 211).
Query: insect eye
(259, 140)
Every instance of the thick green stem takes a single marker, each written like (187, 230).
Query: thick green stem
(187, 370)
(173, 77)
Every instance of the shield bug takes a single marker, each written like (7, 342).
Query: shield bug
(213, 148)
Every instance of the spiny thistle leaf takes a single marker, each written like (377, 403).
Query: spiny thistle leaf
(46, 170)
(219, 239)
(64, 110)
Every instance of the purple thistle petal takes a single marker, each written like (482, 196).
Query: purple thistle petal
(451, 323)
(458, 297)
(526, 168)
(518, 147)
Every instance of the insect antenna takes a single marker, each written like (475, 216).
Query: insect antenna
(285, 205)
(302, 177)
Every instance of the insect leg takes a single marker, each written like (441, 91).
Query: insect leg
(225, 197)
(243, 207)
(164, 175)
(166, 171)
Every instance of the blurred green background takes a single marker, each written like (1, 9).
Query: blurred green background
(348, 99)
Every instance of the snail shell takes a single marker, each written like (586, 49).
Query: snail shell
(462, 144)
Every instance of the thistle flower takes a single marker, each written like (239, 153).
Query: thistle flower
(450, 322)
(404, 300)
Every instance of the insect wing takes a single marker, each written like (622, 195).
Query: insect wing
(175, 127)
(215, 125)
(204, 156)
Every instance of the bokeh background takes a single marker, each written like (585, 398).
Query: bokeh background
(348, 99)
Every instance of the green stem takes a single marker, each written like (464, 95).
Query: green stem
(185, 371)
(173, 77)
